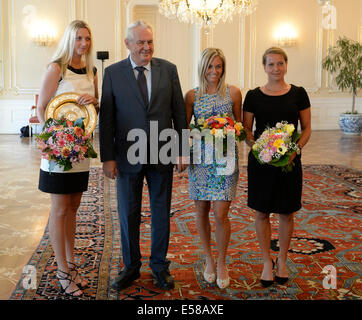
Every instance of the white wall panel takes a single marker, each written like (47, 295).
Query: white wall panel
(305, 57)
(172, 38)
(1, 48)
(102, 21)
(14, 114)
(230, 37)
(243, 41)
(28, 62)
(326, 111)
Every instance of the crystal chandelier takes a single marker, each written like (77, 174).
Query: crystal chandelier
(205, 13)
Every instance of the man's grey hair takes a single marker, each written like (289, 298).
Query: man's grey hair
(132, 26)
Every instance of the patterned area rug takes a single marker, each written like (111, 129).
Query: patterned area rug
(327, 236)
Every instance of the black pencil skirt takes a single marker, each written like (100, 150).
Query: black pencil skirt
(63, 183)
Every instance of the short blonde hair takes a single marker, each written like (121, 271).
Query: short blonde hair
(64, 53)
(207, 56)
(275, 50)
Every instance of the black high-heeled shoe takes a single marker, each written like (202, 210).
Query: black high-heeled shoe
(280, 280)
(63, 290)
(267, 283)
(73, 269)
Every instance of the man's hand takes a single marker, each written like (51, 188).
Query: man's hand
(110, 169)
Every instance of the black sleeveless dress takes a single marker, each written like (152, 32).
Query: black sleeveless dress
(269, 188)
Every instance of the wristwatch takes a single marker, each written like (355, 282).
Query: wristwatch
(299, 149)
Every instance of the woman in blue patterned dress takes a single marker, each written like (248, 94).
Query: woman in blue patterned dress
(213, 97)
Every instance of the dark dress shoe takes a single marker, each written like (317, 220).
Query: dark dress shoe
(163, 279)
(266, 283)
(125, 278)
(281, 280)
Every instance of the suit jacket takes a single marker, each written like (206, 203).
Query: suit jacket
(122, 109)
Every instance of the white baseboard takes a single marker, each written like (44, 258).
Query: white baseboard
(14, 114)
(326, 111)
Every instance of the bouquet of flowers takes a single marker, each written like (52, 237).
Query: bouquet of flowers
(276, 144)
(220, 127)
(64, 142)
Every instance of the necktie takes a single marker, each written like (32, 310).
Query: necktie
(142, 84)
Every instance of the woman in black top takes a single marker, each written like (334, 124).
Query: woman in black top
(270, 190)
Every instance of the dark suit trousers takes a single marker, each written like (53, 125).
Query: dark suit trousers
(129, 193)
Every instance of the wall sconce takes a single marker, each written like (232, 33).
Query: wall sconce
(43, 33)
(285, 36)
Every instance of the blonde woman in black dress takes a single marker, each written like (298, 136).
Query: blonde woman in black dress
(269, 189)
(71, 70)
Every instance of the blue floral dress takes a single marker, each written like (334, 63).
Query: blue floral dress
(208, 180)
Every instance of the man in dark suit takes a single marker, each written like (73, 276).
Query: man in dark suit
(139, 92)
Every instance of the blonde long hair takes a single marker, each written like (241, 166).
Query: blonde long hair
(205, 60)
(64, 53)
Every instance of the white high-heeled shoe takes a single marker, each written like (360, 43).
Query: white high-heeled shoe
(223, 283)
(209, 277)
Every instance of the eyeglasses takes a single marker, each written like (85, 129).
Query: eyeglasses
(141, 43)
